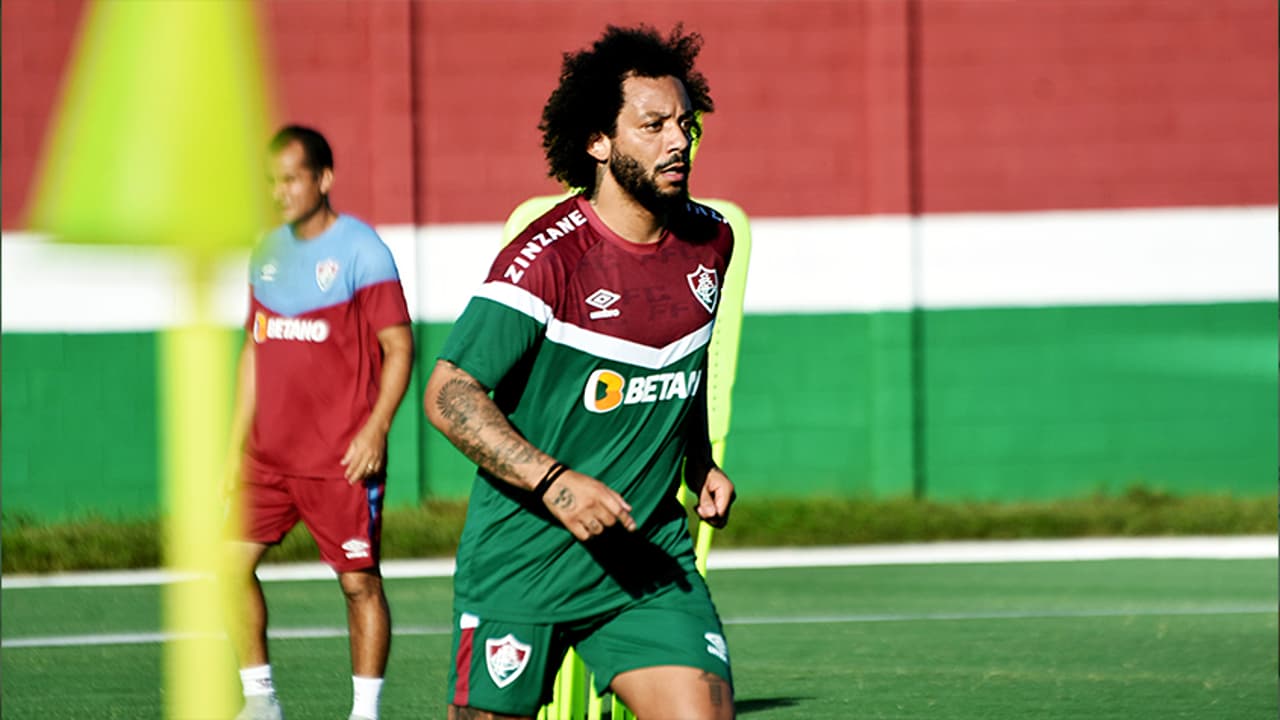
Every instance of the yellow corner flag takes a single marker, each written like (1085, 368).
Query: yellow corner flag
(157, 142)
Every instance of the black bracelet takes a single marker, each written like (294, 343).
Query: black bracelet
(553, 472)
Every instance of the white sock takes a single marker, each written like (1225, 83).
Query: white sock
(364, 696)
(256, 680)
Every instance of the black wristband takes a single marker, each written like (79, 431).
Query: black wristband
(553, 472)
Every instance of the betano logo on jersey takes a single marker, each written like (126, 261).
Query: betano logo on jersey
(280, 328)
(606, 389)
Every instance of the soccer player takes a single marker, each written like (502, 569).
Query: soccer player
(592, 332)
(325, 364)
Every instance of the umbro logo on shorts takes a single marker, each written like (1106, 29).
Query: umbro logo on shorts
(356, 548)
(717, 646)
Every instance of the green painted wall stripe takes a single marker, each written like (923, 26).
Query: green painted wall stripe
(1018, 403)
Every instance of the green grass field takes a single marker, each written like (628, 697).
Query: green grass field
(1123, 639)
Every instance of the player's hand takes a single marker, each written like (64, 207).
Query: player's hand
(232, 475)
(366, 454)
(715, 498)
(587, 506)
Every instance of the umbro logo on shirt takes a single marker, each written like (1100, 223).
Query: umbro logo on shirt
(601, 300)
(267, 273)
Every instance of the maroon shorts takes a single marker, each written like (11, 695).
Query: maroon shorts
(344, 519)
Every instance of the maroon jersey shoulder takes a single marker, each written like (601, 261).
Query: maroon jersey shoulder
(543, 255)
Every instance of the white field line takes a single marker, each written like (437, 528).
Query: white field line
(313, 633)
(979, 551)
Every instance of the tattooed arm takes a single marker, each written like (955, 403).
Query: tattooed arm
(461, 409)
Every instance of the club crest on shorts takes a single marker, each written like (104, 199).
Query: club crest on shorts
(506, 657)
(705, 286)
(326, 273)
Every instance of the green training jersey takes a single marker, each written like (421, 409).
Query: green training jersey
(595, 348)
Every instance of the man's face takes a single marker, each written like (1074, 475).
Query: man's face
(649, 153)
(298, 190)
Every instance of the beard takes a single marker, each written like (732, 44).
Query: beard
(643, 185)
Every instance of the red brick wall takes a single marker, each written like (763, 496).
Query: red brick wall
(35, 40)
(1099, 103)
(791, 81)
(432, 106)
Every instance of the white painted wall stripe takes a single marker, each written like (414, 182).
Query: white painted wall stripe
(798, 265)
(1122, 257)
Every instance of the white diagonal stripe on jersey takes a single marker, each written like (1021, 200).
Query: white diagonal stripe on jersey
(627, 351)
(517, 299)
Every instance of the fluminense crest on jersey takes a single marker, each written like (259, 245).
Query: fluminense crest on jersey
(602, 299)
(326, 273)
(705, 286)
(506, 657)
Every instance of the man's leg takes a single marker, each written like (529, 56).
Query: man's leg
(672, 691)
(369, 624)
(369, 620)
(248, 630)
(248, 625)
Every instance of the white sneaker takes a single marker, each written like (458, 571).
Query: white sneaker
(261, 707)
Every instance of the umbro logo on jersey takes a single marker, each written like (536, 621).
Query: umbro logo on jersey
(606, 389)
(506, 657)
(268, 271)
(326, 273)
(277, 328)
(601, 300)
(705, 285)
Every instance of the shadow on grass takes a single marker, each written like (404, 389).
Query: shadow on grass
(744, 707)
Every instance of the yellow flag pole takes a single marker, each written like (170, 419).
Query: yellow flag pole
(157, 143)
(198, 662)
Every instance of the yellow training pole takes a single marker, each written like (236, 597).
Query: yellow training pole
(156, 143)
(195, 414)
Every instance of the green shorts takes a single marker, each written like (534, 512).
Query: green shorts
(510, 667)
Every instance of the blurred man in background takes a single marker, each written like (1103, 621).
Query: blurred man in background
(592, 332)
(325, 364)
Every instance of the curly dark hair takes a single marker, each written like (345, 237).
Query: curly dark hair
(589, 96)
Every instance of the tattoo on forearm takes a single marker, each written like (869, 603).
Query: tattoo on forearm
(563, 499)
(460, 404)
(716, 685)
